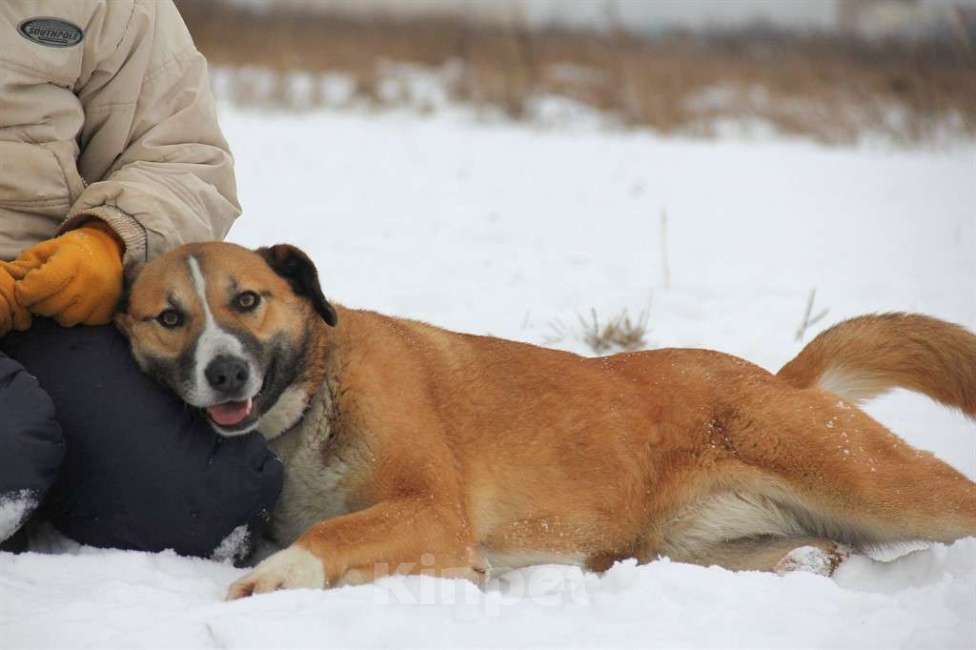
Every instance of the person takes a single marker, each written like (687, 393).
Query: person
(110, 154)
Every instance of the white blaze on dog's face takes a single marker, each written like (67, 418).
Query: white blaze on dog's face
(228, 329)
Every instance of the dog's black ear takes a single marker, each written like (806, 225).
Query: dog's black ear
(295, 266)
(129, 274)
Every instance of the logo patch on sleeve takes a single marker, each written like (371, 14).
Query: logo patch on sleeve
(51, 32)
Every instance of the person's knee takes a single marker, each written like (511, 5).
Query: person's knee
(143, 471)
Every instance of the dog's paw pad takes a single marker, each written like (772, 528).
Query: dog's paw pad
(813, 559)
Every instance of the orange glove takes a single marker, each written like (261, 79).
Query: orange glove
(75, 278)
(13, 315)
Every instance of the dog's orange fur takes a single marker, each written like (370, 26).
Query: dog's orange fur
(482, 443)
(873, 354)
(460, 449)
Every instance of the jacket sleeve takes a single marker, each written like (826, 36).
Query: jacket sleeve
(149, 99)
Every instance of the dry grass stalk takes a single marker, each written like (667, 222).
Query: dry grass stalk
(665, 264)
(557, 332)
(809, 320)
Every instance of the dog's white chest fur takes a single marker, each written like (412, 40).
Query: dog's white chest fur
(312, 488)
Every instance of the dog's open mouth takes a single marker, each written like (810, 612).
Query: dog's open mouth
(237, 417)
(230, 414)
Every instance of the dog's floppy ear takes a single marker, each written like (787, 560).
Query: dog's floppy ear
(122, 319)
(295, 266)
(129, 275)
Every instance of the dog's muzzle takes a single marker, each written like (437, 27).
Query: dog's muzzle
(228, 376)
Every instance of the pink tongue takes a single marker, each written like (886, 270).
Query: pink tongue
(231, 413)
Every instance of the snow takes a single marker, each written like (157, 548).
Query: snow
(15, 507)
(115, 599)
(515, 231)
(234, 547)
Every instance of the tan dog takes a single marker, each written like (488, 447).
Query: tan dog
(410, 448)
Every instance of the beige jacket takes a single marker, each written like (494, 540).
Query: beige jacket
(120, 126)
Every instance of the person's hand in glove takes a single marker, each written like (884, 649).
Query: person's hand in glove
(75, 278)
(13, 315)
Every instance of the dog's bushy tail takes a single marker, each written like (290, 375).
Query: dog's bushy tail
(866, 356)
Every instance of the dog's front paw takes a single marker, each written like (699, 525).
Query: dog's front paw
(292, 568)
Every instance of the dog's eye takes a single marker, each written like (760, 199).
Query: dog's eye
(170, 319)
(246, 301)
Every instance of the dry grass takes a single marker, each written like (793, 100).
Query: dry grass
(827, 89)
(620, 333)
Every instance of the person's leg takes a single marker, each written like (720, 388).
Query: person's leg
(31, 450)
(142, 470)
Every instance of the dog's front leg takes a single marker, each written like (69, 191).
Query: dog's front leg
(403, 536)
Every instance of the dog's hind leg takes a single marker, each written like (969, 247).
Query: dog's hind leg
(741, 530)
(813, 471)
(846, 477)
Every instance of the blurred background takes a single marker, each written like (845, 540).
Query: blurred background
(834, 71)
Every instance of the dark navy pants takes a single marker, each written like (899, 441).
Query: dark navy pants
(117, 460)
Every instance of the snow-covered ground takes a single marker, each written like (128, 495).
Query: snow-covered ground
(516, 231)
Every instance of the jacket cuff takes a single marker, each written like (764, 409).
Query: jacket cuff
(132, 233)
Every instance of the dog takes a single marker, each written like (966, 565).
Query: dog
(409, 448)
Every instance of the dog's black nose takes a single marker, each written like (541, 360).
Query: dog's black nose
(227, 374)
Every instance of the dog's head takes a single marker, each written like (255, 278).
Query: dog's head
(229, 330)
